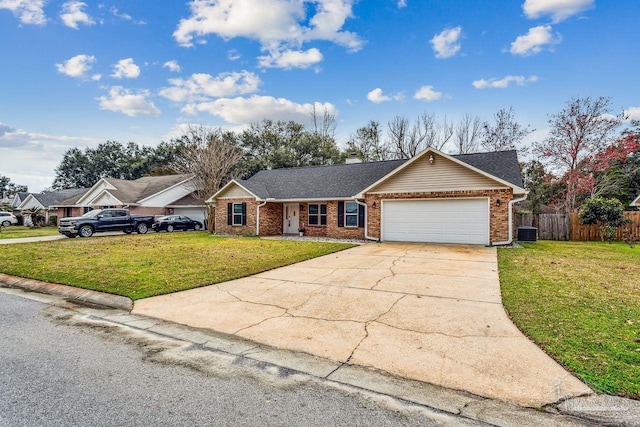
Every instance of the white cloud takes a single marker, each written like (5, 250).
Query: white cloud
(115, 12)
(377, 97)
(558, 10)
(72, 14)
(126, 68)
(21, 150)
(534, 41)
(447, 43)
(233, 55)
(124, 101)
(255, 108)
(78, 67)
(279, 25)
(632, 113)
(427, 93)
(290, 59)
(203, 87)
(402, 3)
(172, 66)
(504, 82)
(28, 11)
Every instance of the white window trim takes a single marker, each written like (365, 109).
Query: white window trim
(233, 215)
(357, 214)
(319, 215)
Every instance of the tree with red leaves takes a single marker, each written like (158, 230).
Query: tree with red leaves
(583, 127)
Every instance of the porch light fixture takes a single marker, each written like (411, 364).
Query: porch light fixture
(431, 159)
(498, 202)
(373, 205)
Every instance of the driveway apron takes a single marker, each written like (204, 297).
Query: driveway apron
(426, 312)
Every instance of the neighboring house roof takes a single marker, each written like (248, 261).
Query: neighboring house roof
(53, 198)
(190, 200)
(348, 180)
(18, 198)
(636, 202)
(134, 191)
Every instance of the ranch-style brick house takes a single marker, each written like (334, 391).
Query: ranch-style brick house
(433, 197)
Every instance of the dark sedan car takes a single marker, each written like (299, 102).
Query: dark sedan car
(176, 222)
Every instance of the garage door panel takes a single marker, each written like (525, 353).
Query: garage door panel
(437, 221)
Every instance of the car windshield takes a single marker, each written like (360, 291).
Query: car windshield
(92, 213)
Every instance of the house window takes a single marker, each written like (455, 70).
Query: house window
(238, 215)
(317, 214)
(351, 214)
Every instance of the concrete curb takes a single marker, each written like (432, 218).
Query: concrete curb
(68, 292)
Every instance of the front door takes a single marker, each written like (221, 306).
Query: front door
(291, 218)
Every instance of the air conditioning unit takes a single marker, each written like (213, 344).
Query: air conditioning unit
(527, 234)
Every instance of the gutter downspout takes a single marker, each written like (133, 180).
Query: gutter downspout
(258, 217)
(366, 221)
(511, 203)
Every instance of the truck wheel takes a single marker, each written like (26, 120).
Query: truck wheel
(169, 228)
(142, 228)
(85, 231)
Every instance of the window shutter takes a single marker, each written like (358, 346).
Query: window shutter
(340, 214)
(244, 214)
(229, 213)
(360, 216)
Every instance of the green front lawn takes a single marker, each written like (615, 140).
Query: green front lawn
(19, 231)
(140, 266)
(580, 302)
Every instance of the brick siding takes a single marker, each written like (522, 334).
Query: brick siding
(271, 218)
(331, 229)
(221, 217)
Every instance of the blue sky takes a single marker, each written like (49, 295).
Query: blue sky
(80, 73)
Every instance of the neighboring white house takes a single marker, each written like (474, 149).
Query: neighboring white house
(636, 202)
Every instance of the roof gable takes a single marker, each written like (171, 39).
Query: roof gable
(636, 202)
(439, 174)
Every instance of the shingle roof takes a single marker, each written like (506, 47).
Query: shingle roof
(318, 182)
(188, 200)
(55, 198)
(347, 180)
(133, 191)
(501, 164)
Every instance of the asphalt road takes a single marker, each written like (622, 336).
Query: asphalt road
(57, 372)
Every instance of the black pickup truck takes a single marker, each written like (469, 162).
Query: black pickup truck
(105, 220)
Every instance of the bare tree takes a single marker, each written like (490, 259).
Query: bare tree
(584, 126)
(436, 133)
(323, 125)
(505, 134)
(468, 131)
(211, 156)
(398, 137)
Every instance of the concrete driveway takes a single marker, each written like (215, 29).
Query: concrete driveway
(427, 312)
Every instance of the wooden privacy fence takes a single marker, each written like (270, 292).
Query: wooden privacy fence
(568, 227)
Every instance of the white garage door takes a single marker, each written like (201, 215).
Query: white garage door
(436, 221)
(196, 214)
